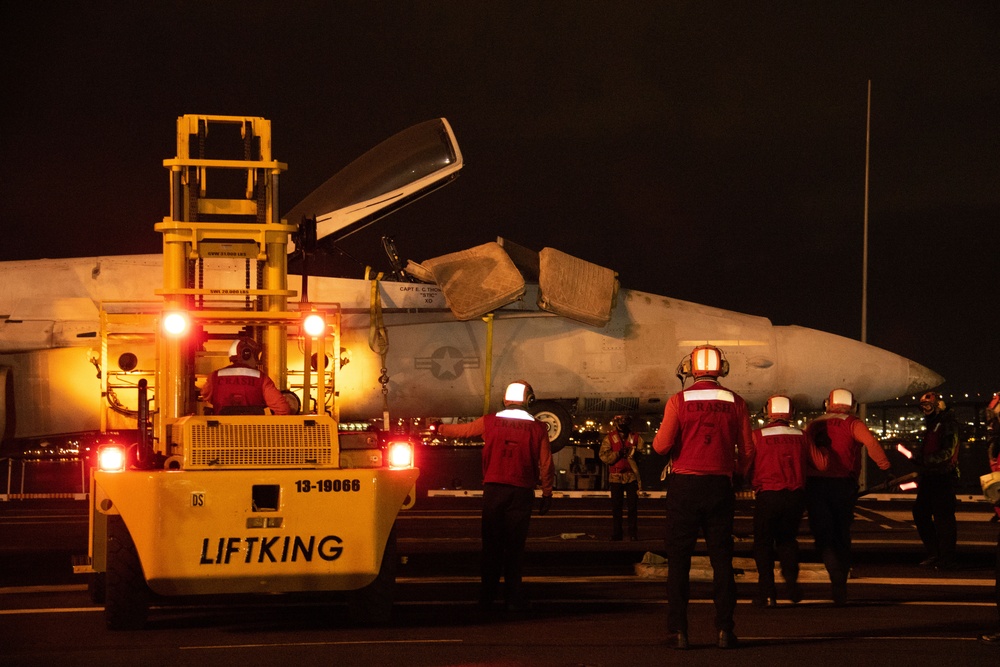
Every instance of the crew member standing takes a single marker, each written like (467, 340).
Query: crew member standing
(706, 433)
(831, 493)
(618, 451)
(240, 387)
(936, 460)
(993, 455)
(778, 476)
(516, 455)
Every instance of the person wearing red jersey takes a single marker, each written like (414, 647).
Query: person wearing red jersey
(831, 493)
(618, 451)
(516, 456)
(936, 460)
(993, 456)
(778, 477)
(706, 434)
(240, 387)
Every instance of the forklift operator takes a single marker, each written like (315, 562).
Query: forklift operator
(241, 388)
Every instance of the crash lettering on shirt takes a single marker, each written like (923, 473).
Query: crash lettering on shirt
(225, 550)
(709, 406)
(518, 424)
(238, 381)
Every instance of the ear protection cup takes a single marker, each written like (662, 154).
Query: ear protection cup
(519, 393)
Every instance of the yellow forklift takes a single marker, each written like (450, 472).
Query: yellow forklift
(219, 504)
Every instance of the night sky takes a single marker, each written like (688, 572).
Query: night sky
(707, 151)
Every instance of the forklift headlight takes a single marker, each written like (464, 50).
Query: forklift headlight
(176, 323)
(111, 458)
(314, 325)
(400, 455)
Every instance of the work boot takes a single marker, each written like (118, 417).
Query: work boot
(678, 641)
(766, 600)
(794, 592)
(946, 563)
(727, 639)
(992, 640)
(839, 591)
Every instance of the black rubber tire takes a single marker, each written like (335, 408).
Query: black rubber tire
(126, 594)
(558, 421)
(372, 605)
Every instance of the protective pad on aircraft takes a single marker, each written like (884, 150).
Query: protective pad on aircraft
(476, 281)
(575, 288)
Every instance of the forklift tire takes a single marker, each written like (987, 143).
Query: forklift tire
(126, 594)
(372, 605)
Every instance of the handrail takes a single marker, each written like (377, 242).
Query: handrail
(29, 458)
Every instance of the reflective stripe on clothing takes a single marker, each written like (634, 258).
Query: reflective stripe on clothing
(709, 395)
(705, 428)
(239, 371)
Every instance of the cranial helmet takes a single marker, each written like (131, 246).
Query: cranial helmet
(931, 402)
(244, 350)
(779, 407)
(840, 400)
(706, 360)
(519, 394)
(622, 422)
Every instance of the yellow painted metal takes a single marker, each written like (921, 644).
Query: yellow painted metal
(242, 504)
(197, 532)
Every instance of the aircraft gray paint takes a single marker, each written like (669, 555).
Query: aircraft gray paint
(49, 339)
(437, 365)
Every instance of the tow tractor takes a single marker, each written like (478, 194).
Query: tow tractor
(209, 504)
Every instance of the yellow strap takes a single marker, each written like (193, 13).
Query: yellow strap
(378, 342)
(378, 337)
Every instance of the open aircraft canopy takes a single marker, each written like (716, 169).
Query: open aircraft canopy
(394, 173)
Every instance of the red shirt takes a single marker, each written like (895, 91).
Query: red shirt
(706, 430)
(614, 438)
(781, 453)
(242, 386)
(516, 448)
(843, 435)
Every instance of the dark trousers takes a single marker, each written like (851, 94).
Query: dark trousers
(506, 513)
(776, 519)
(622, 494)
(830, 503)
(705, 503)
(934, 515)
(996, 583)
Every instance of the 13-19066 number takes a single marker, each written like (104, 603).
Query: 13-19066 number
(328, 485)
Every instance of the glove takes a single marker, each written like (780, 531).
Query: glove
(545, 505)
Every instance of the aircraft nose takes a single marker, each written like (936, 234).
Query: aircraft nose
(921, 378)
(812, 362)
